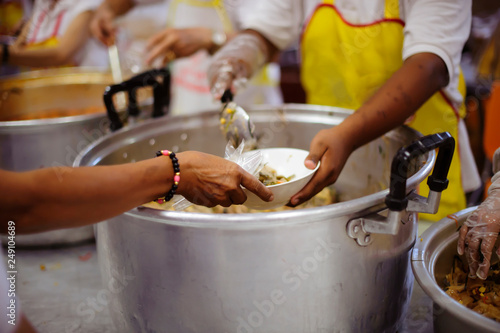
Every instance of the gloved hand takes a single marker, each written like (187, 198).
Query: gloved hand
(479, 232)
(235, 62)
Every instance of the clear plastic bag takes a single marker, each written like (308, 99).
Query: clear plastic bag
(250, 161)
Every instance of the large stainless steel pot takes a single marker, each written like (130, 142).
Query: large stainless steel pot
(337, 268)
(432, 259)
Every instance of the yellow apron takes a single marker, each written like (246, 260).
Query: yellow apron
(343, 64)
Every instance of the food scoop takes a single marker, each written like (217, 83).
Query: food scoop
(235, 123)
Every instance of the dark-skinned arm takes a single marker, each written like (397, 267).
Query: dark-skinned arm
(421, 76)
(64, 197)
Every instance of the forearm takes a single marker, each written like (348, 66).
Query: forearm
(73, 39)
(66, 197)
(238, 60)
(420, 77)
(47, 57)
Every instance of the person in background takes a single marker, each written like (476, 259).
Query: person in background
(87, 195)
(195, 30)
(13, 16)
(56, 35)
(394, 62)
(480, 231)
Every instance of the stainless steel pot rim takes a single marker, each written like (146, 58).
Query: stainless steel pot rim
(128, 135)
(422, 262)
(50, 121)
(63, 71)
(51, 73)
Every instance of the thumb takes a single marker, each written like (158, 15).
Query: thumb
(314, 156)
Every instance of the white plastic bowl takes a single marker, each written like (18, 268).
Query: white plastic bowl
(286, 162)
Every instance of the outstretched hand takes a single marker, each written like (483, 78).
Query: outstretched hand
(210, 180)
(329, 148)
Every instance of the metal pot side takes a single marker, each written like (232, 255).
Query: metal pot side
(432, 259)
(293, 271)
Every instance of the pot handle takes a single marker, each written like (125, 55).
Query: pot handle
(161, 95)
(227, 96)
(397, 201)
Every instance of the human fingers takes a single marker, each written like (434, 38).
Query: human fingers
(319, 151)
(487, 244)
(99, 31)
(461, 239)
(161, 46)
(254, 185)
(221, 77)
(237, 196)
(472, 252)
(471, 220)
(320, 180)
(157, 38)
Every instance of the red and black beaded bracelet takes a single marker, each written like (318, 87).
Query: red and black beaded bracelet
(177, 174)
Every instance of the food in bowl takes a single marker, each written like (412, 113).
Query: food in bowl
(482, 296)
(326, 197)
(269, 176)
(287, 162)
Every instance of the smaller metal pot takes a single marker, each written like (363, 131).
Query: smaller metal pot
(432, 259)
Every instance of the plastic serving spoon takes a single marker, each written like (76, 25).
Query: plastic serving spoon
(235, 123)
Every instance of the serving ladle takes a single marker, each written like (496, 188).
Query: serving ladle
(236, 124)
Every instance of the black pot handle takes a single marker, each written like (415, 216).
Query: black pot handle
(161, 95)
(397, 200)
(227, 96)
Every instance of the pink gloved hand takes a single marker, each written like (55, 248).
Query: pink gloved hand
(235, 62)
(480, 231)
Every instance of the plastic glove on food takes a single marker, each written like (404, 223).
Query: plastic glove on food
(480, 232)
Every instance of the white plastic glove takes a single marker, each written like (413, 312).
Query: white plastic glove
(480, 231)
(235, 62)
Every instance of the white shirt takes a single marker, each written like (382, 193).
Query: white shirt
(440, 27)
(47, 23)
(436, 26)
